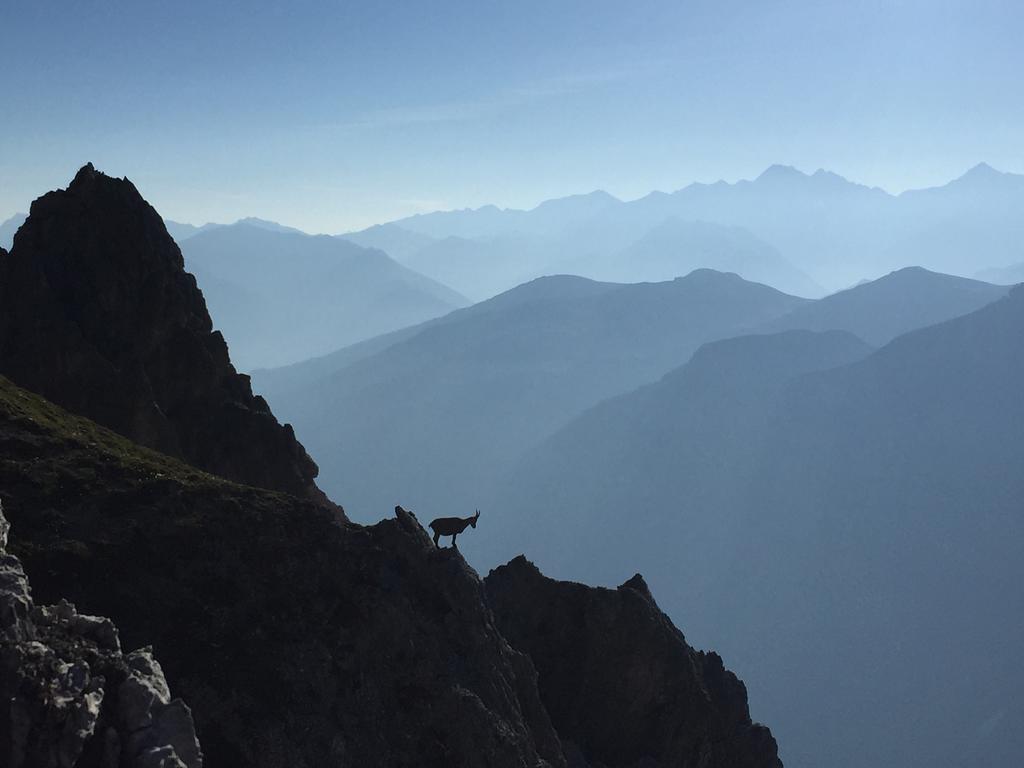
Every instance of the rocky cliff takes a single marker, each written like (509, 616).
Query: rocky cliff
(98, 314)
(622, 686)
(296, 640)
(70, 697)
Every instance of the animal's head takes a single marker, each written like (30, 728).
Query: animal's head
(475, 517)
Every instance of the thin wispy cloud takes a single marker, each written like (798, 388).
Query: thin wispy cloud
(497, 103)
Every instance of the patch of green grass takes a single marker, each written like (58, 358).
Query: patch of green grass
(24, 414)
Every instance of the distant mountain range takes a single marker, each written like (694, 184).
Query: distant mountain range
(819, 225)
(805, 234)
(280, 296)
(1004, 275)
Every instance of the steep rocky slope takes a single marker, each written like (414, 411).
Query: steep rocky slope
(70, 697)
(296, 640)
(621, 684)
(98, 314)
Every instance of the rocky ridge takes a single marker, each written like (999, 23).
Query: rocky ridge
(70, 697)
(622, 686)
(98, 314)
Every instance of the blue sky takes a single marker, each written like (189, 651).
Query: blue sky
(330, 116)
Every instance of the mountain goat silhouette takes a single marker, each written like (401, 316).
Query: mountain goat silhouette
(452, 526)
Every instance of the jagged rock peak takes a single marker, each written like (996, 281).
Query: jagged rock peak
(607, 662)
(637, 584)
(85, 173)
(98, 314)
(69, 696)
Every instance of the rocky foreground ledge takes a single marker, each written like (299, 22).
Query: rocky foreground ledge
(70, 697)
(619, 681)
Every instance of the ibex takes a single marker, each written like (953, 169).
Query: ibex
(452, 526)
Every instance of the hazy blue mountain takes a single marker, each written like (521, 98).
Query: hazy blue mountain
(397, 242)
(971, 223)
(271, 226)
(181, 232)
(555, 288)
(1003, 275)
(548, 218)
(432, 419)
(833, 230)
(676, 247)
(855, 528)
(659, 456)
(9, 227)
(880, 310)
(280, 296)
(484, 267)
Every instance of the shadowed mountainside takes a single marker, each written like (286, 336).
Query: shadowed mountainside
(795, 523)
(98, 314)
(438, 415)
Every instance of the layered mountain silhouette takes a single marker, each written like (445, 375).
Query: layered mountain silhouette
(855, 527)
(445, 406)
(281, 296)
(296, 637)
(182, 231)
(677, 247)
(880, 310)
(437, 415)
(1004, 275)
(98, 314)
(823, 226)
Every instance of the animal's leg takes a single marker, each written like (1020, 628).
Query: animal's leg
(437, 536)
(453, 538)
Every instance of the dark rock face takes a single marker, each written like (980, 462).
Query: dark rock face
(70, 697)
(296, 640)
(621, 684)
(98, 315)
